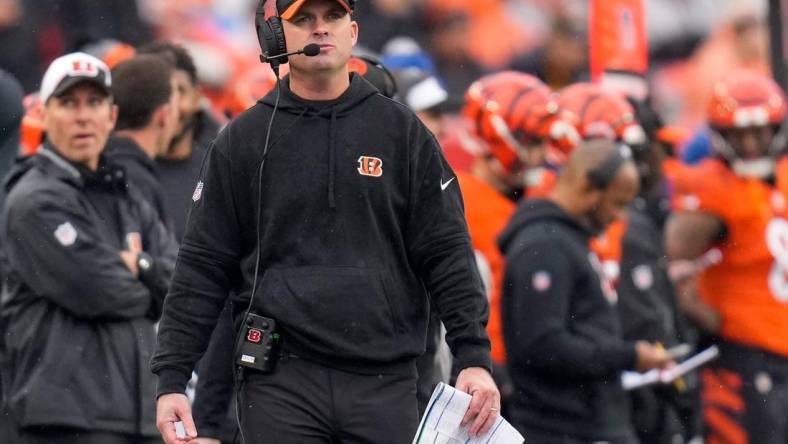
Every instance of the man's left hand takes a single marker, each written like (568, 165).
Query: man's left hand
(486, 402)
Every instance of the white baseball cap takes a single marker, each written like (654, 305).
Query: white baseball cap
(421, 91)
(71, 69)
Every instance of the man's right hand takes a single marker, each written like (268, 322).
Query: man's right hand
(651, 356)
(171, 408)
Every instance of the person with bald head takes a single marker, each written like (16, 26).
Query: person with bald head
(561, 330)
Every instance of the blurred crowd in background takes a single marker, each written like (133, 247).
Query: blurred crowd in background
(692, 42)
(434, 52)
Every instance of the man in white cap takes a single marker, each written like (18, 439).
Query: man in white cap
(87, 268)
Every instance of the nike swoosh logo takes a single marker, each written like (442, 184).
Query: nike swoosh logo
(445, 185)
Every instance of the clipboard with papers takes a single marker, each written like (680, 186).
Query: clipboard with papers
(634, 380)
(443, 415)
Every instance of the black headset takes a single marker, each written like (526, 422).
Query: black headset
(270, 34)
(377, 74)
(603, 174)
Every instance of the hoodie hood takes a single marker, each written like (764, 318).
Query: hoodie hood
(48, 159)
(537, 211)
(55, 166)
(358, 91)
(123, 149)
(18, 169)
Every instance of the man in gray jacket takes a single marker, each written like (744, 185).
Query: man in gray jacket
(87, 269)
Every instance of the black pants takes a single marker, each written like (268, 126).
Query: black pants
(745, 397)
(306, 403)
(541, 437)
(655, 415)
(65, 435)
(7, 427)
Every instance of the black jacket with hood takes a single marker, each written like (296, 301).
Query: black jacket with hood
(78, 326)
(647, 301)
(562, 333)
(361, 219)
(141, 172)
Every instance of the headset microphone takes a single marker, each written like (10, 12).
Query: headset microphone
(309, 50)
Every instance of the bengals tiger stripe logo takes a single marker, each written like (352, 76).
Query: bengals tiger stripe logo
(370, 166)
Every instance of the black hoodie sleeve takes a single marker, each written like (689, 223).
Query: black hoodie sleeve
(208, 263)
(215, 386)
(441, 251)
(56, 251)
(538, 290)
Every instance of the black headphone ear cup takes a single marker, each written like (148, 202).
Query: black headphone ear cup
(259, 27)
(273, 38)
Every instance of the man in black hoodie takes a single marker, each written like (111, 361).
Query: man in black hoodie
(338, 223)
(147, 100)
(560, 325)
(179, 168)
(212, 406)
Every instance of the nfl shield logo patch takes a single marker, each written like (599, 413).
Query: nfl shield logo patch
(66, 234)
(197, 192)
(541, 281)
(643, 277)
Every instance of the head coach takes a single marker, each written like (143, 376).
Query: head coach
(330, 213)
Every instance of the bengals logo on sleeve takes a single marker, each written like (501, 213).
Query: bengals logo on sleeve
(370, 166)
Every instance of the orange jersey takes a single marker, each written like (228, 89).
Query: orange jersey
(609, 247)
(672, 169)
(544, 186)
(459, 145)
(749, 287)
(487, 213)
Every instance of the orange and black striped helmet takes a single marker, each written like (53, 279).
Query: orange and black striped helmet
(744, 99)
(602, 114)
(510, 110)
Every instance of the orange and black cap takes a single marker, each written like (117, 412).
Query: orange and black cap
(287, 9)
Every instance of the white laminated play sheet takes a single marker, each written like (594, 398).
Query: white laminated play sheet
(633, 380)
(441, 421)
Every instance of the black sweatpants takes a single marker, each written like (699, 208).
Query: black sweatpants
(745, 397)
(302, 402)
(66, 435)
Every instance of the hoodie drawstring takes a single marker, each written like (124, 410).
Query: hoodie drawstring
(332, 128)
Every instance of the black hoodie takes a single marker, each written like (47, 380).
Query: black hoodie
(141, 172)
(562, 334)
(349, 246)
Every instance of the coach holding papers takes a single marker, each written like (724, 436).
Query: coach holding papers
(562, 332)
(334, 224)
